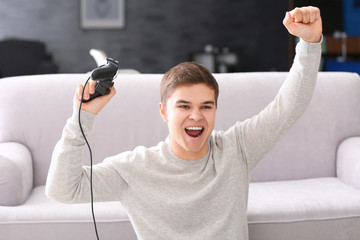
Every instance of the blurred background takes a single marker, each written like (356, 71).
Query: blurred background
(152, 36)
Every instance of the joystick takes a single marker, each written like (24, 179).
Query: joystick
(104, 75)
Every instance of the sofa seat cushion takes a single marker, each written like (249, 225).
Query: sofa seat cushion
(321, 208)
(309, 199)
(40, 216)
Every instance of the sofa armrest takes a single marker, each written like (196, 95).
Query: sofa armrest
(16, 173)
(348, 161)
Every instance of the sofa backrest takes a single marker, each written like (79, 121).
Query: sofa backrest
(34, 110)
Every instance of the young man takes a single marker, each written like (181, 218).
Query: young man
(194, 185)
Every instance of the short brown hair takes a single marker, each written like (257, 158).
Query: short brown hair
(186, 73)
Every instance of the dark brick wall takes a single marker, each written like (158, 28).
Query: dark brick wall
(158, 33)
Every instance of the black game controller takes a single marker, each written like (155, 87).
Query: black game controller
(104, 75)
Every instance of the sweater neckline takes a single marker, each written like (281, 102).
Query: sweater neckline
(183, 162)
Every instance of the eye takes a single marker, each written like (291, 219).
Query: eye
(206, 107)
(184, 106)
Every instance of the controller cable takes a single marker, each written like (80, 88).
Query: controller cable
(91, 161)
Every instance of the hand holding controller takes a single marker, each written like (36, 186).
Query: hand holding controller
(104, 75)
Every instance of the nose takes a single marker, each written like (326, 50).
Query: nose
(196, 115)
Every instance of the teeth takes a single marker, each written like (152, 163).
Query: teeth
(194, 128)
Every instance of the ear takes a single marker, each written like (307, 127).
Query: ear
(163, 113)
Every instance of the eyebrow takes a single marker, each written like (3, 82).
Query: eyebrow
(180, 101)
(209, 103)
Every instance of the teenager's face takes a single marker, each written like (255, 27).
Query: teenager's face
(190, 115)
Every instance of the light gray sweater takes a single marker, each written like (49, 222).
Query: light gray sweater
(170, 198)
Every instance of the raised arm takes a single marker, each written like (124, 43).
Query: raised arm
(68, 180)
(259, 134)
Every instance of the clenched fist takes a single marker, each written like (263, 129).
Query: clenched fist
(304, 23)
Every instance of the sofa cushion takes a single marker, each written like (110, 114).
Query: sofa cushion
(43, 218)
(16, 174)
(308, 150)
(321, 208)
(300, 200)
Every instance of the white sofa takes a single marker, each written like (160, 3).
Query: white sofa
(307, 187)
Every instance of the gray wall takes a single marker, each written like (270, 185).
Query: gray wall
(158, 33)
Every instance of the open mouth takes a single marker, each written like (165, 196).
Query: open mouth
(194, 131)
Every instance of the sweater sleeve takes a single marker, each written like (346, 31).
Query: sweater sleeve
(259, 134)
(68, 181)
